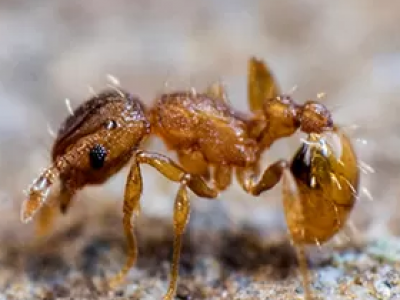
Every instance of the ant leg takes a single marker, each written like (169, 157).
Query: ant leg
(194, 182)
(176, 173)
(223, 176)
(67, 192)
(45, 219)
(291, 202)
(261, 84)
(295, 218)
(270, 177)
(48, 211)
(133, 191)
(194, 163)
(38, 194)
(181, 218)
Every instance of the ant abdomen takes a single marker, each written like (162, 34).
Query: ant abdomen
(327, 178)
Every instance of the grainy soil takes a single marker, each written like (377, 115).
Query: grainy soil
(75, 263)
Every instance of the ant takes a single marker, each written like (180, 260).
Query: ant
(320, 183)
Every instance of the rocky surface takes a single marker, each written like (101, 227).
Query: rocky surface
(226, 264)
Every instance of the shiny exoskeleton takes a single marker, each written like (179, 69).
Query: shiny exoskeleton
(213, 141)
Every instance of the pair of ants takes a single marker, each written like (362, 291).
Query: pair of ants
(320, 183)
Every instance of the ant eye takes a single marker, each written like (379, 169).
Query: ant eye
(111, 124)
(97, 156)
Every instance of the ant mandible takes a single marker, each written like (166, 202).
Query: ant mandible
(320, 183)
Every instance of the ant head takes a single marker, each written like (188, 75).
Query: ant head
(314, 117)
(93, 143)
(100, 135)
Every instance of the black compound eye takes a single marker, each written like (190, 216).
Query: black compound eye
(97, 156)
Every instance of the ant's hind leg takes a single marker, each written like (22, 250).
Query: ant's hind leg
(261, 84)
(133, 191)
(292, 204)
(295, 219)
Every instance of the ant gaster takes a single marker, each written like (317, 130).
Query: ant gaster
(320, 183)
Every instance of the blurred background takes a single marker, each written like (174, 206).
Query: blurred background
(53, 50)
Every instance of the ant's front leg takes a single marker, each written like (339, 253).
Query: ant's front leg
(38, 194)
(133, 191)
(45, 219)
(48, 212)
(67, 193)
(292, 202)
(181, 218)
(197, 184)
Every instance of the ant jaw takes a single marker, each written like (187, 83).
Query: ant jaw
(37, 195)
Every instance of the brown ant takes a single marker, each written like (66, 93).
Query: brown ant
(320, 183)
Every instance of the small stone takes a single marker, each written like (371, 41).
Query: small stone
(383, 288)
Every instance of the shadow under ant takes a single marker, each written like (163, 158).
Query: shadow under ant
(246, 251)
(243, 250)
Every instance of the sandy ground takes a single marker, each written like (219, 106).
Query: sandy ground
(236, 247)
